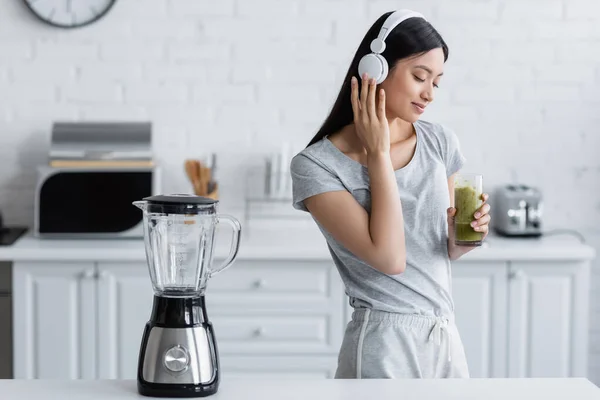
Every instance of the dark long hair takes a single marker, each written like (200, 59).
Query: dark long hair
(412, 37)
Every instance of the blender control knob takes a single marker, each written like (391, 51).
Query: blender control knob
(176, 358)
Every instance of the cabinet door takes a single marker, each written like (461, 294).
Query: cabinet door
(54, 329)
(125, 299)
(479, 291)
(548, 325)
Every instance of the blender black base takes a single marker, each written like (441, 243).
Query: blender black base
(178, 313)
(166, 390)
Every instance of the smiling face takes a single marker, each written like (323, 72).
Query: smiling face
(411, 84)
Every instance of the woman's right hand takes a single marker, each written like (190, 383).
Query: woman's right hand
(369, 118)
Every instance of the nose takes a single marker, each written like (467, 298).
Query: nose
(427, 95)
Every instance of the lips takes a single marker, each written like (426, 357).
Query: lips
(419, 107)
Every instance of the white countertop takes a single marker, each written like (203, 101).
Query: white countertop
(329, 389)
(281, 244)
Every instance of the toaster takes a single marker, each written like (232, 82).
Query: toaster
(95, 171)
(517, 211)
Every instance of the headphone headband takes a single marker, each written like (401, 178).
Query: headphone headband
(374, 64)
(395, 19)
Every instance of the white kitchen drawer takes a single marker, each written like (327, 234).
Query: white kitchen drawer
(296, 367)
(275, 284)
(277, 333)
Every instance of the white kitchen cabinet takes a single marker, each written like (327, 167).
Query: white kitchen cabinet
(54, 329)
(274, 307)
(124, 305)
(255, 310)
(276, 318)
(480, 294)
(548, 324)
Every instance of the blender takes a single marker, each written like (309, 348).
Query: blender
(178, 354)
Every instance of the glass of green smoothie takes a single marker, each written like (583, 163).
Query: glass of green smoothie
(468, 188)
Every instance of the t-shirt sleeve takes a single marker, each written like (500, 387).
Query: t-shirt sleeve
(309, 178)
(453, 157)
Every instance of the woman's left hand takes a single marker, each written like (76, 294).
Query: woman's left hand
(482, 217)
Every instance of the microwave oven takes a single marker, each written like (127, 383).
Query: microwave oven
(92, 202)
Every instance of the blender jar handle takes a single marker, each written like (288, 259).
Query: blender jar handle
(235, 243)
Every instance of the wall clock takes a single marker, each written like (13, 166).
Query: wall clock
(69, 13)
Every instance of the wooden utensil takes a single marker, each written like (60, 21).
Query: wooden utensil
(207, 179)
(201, 179)
(190, 170)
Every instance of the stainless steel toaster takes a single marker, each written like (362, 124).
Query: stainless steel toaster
(95, 171)
(517, 210)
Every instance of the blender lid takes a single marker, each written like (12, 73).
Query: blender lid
(180, 199)
(180, 204)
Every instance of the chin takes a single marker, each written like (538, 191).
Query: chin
(405, 115)
(409, 116)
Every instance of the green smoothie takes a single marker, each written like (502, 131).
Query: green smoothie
(466, 202)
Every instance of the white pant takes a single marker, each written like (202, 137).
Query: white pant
(380, 344)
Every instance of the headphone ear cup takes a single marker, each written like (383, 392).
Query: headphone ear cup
(372, 65)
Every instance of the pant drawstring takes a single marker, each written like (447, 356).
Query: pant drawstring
(441, 325)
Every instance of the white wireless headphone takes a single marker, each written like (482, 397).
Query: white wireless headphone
(374, 64)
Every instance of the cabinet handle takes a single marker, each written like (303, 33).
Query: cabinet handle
(258, 332)
(516, 274)
(260, 283)
(89, 274)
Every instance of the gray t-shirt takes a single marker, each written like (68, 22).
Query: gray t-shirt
(425, 286)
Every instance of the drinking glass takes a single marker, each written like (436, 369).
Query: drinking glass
(468, 188)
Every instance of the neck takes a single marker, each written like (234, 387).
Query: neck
(400, 129)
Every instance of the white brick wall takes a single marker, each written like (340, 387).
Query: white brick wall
(241, 76)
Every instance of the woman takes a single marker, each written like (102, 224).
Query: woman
(379, 184)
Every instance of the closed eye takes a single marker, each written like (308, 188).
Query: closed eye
(423, 80)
